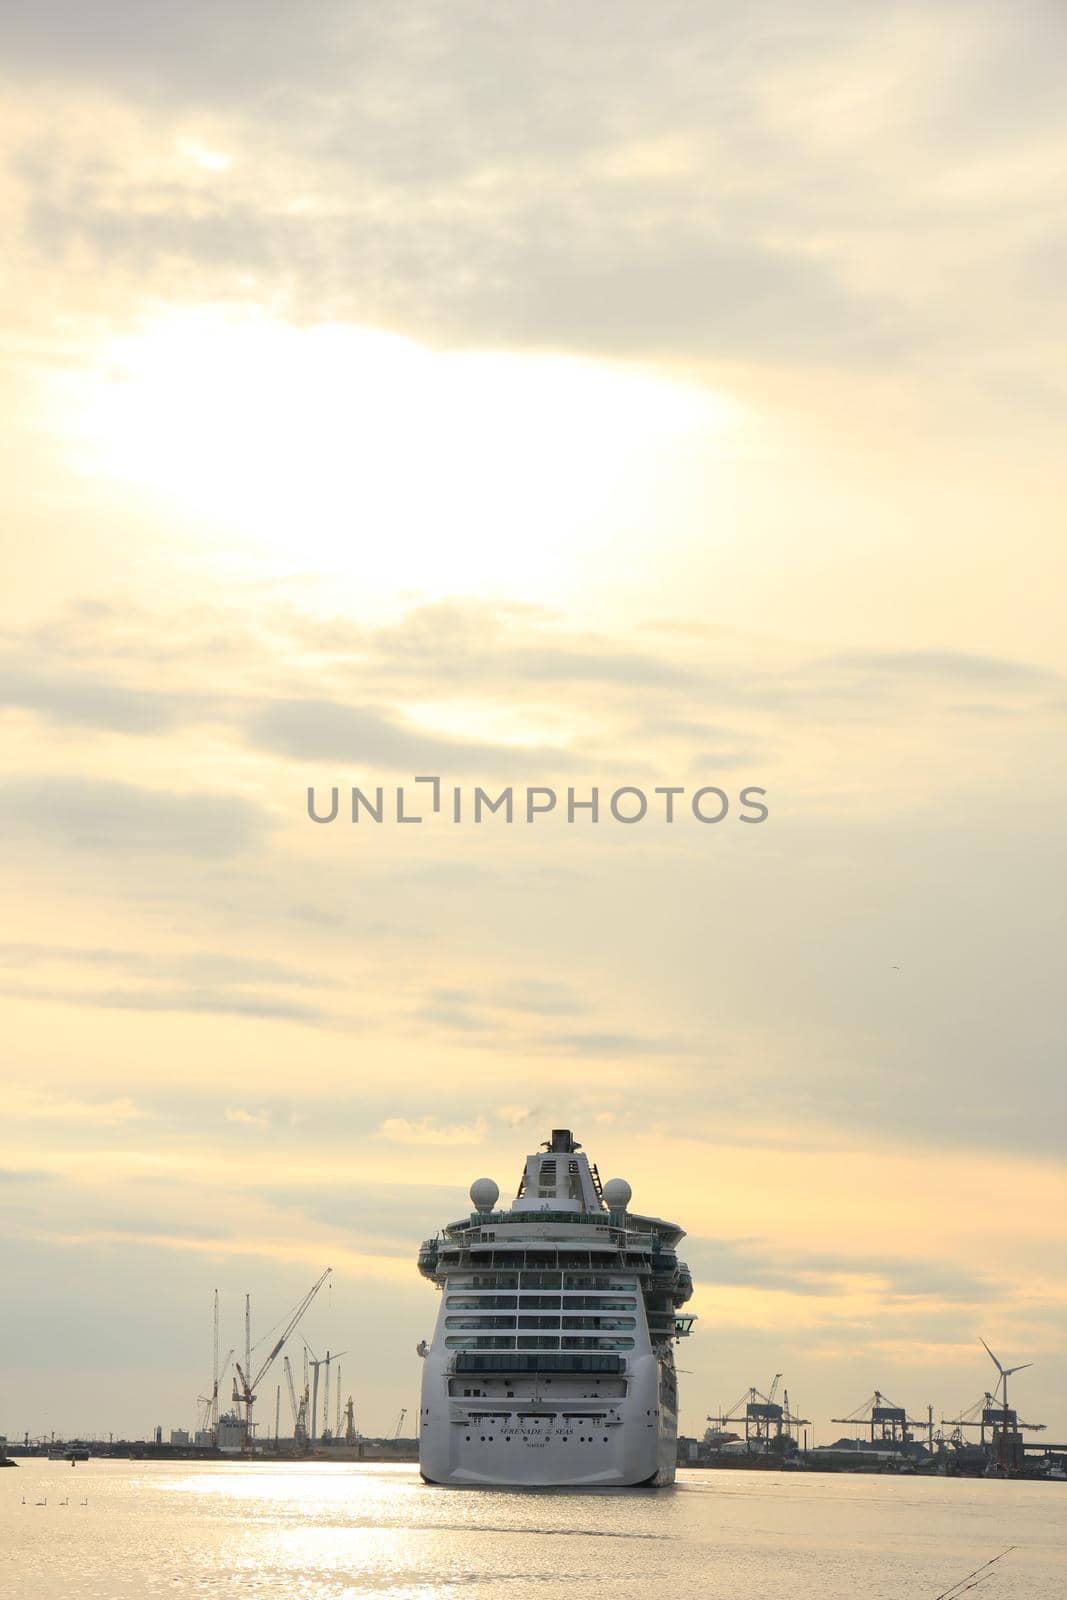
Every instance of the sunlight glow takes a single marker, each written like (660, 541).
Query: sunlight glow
(210, 160)
(368, 454)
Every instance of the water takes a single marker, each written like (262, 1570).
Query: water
(337, 1531)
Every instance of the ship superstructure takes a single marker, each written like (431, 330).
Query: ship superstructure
(552, 1361)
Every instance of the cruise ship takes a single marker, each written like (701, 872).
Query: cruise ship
(552, 1363)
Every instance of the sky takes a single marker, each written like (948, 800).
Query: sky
(539, 397)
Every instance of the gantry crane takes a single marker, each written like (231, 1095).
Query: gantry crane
(764, 1418)
(1002, 1420)
(889, 1424)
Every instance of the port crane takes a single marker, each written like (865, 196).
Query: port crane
(987, 1413)
(400, 1422)
(246, 1394)
(765, 1419)
(889, 1423)
(791, 1423)
(1002, 1420)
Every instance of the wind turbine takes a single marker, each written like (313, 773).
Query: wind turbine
(1005, 1372)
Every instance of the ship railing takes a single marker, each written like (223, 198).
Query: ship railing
(497, 1219)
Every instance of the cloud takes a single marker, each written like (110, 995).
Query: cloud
(485, 642)
(86, 701)
(202, 965)
(401, 1130)
(458, 1018)
(613, 284)
(606, 1042)
(539, 997)
(108, 818)
(707, 701)
(193, 1002)
(956, 668)
(363, 737)
(196, 982)
(37, 1107)
(516, 1116)
(247, 1119)
(545, 231)
(894, 1281)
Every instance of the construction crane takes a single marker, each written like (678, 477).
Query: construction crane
(336, 1356)
(216, 1374)
(209, 1418)
(400, 1422)
(248, 1384)
(316, 1362)
(298, 1409)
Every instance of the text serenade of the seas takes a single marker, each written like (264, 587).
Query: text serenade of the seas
(553, 1357)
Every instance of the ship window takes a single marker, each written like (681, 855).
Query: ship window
(537, 1341)
(478, 1342)
(540, 1302)
(539, 1322)
(595, 1322)
(596, 1280)
(585, 1342)
(479, 1322)
(482, 1280)
(596, 1302)
(541, 1280)
(482, 1302)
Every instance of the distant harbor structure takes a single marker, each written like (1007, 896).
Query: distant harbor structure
(557, 1315)
(759, 1431)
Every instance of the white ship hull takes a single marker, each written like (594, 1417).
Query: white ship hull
(562, 1442)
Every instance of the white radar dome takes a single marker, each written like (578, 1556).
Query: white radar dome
(617, 1194)
(484, 1194)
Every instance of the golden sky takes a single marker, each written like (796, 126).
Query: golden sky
(532, 396)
